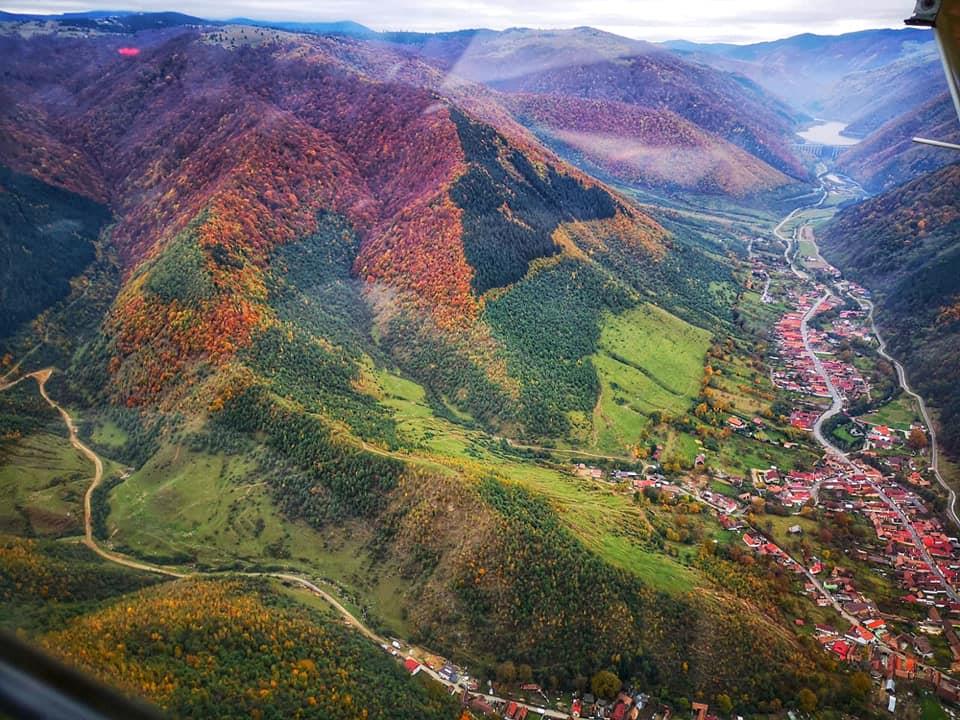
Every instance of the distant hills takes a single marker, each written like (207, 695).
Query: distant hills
(343, 27)
(907, 84)
(716, 110)
(643, 147)
(808, 71)
(703, 118)
(887, 85)
(111, 21)
(599, 67)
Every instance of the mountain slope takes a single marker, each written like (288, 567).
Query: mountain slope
(46, 236)
(293, 153)
(908, 84)
(639, 146)
(443, 208)
(592, 65)
(838, 77)
(344, 286)
(888, 156)
(200, 647)
(902, 246)
(189, 649)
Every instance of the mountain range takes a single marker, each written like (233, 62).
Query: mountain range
(822, 75)
(836, 77)
(888, 157)
(353, 304)
(310, 229)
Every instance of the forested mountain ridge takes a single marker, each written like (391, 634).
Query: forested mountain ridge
(909, 83)
(160, 123)
(200, 647)
(590, 65)
(355, 304)
(643, 147)
(46, 238)
(836, 78)
(902, 245)
(889, 157)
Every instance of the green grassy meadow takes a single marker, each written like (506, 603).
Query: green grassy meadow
(593, 511)
(42, 481)
(648, 361)
(214, 510)
(899, 413)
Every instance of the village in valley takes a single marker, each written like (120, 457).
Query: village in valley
(885, 595)
(878, 473)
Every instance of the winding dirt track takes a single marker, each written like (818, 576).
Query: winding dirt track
(42, 376)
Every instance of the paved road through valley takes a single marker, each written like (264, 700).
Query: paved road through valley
(836, 407)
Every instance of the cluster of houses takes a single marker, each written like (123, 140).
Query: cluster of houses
(792, 489)
(626, 706)
(867, 625)
(882, 440)
(865, 490)
(534, 704)
(880, 437)
(846, 378)
(739, 425)
(766, 548)
(804, 418)
(796, 371)
(910, 544)
(903, 523)
(851, 325)
(896, 666)
(849, 646)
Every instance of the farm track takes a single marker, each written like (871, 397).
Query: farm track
(41, 377)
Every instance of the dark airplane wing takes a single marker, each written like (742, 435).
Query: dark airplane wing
(34, 686)
(944, 17)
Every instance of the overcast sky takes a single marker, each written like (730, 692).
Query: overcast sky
(700, 20)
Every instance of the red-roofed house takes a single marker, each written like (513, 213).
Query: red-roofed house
(859, 635)
(842, 649)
